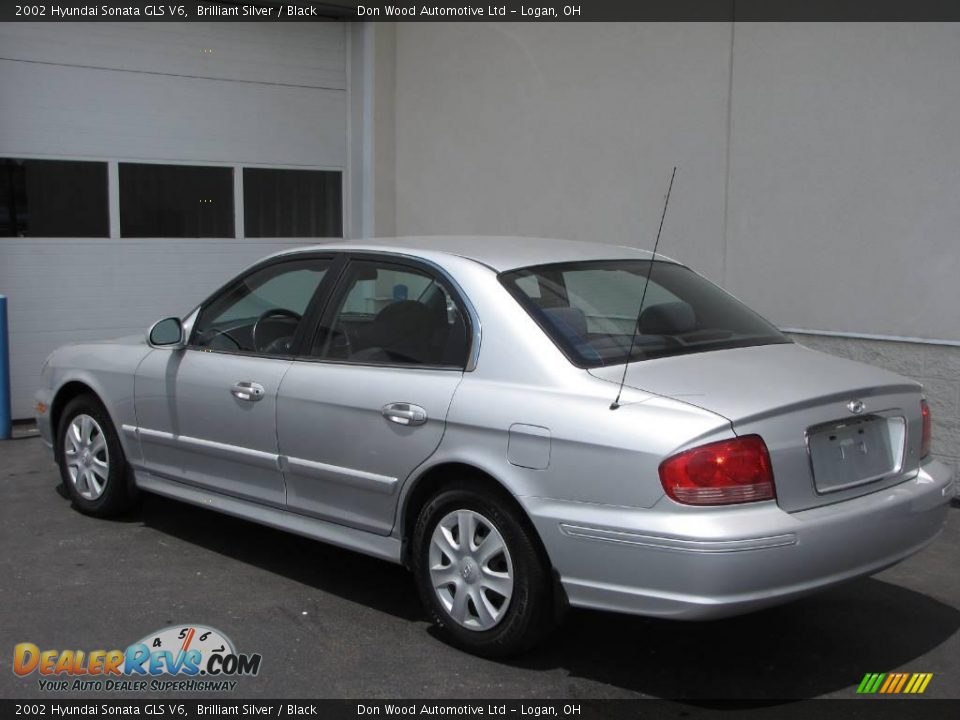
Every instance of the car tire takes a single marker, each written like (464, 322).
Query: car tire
(93, 467)
(479, 610)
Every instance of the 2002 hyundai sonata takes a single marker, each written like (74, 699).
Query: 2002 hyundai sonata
(448, 403)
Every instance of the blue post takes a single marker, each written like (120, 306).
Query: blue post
(4, 371)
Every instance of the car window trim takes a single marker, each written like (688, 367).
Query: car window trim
(434, 271)
(317, 301)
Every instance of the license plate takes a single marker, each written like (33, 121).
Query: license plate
(855, 452)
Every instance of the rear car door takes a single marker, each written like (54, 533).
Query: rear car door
(207, 413)
(368, 403)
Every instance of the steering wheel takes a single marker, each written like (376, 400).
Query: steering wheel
(271, 313)
(221, 334)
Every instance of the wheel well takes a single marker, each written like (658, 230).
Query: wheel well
(435, 478)
(428, 484)
(63, 397)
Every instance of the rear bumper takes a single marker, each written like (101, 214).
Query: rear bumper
(701, 563)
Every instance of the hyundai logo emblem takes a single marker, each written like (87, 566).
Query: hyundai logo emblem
(855, 406)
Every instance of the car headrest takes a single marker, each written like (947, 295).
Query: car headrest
(569, 321)
(402, 323)
(672, 318)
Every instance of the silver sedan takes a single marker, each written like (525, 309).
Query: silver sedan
(525, 424)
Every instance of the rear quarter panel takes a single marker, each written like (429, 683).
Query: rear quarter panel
(593, 454)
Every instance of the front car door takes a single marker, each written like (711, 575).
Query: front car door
(206, 414)
(369, 403)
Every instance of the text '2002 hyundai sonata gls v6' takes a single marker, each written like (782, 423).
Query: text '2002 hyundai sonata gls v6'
(446, 403)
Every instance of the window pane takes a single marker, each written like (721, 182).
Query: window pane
(590, 310)
(529, 285)
(393, 315)
(53, 198)
(175, 201)
(262, 311)
(609, 299)
(292, 203)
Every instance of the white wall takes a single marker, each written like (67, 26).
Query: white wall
(265, 94)
(228, 94)
(837, 209)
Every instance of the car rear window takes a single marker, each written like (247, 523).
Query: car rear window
(589, 309)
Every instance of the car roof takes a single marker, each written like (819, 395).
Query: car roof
(498, 253)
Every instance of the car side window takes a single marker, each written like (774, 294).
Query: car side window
(260, 312)
(389, 314)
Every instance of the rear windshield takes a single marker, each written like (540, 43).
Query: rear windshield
(589, 310)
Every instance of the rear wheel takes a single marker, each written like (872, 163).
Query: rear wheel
(480, 574)
(92, 464)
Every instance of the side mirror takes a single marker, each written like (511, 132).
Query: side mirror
(167, 333)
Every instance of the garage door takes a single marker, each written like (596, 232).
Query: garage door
(146, 163)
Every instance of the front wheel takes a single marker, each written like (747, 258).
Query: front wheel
(480, 573)
(92, 464)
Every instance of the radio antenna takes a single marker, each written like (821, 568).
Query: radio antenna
(636, 326)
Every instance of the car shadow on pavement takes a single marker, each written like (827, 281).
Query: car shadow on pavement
(811, 647)
(350, 575)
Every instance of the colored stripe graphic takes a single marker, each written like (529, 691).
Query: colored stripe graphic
(875, 685)
(923, 679)
(890, 682)
(894, 683)
(901, 683)
(862, 687)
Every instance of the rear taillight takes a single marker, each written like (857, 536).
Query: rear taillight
(721, 473)
(927, 432)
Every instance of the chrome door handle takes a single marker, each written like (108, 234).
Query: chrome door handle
(405, 414)
(249, 391)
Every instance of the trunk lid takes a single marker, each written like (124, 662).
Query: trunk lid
(803, 404)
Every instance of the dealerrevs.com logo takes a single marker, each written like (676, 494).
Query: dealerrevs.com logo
(180, 658)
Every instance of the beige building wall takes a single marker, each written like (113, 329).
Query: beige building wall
(819, 164)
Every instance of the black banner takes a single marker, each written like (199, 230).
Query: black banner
(173, 709)
(502, 10)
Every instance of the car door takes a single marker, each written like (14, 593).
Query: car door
(368, 404)
(206, 414)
